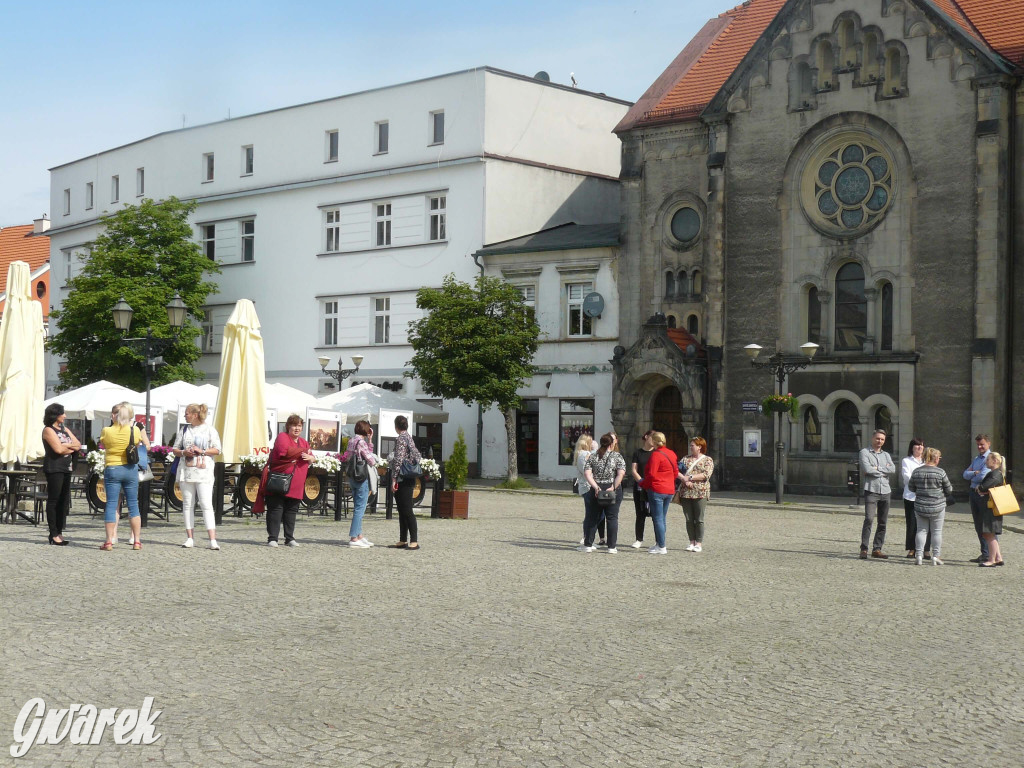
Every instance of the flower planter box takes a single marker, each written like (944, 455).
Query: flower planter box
(453, 505)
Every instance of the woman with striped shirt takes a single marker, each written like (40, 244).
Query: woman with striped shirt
(930, 487)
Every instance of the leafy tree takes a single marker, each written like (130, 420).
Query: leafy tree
(146, 254)
(476, 344)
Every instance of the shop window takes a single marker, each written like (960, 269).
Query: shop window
(883, 420)
(812, 430)
(575, 418)
(885, 337)
(846, 422)
(851, 308)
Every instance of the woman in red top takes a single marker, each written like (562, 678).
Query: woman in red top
(660, 483)
(290, 455)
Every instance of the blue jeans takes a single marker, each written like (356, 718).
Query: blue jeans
(658, 502)
(360, 495)
(116, 479)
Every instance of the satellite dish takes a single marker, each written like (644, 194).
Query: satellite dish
(593, 304)
(543, 76)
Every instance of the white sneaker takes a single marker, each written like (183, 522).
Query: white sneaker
(612, 551)
(637, 544)
(293, 543)
(657, 551)
(366, 541)
(690, 547)
(697, 548)
(581, 542)
(271, 543)
(131, 539)
(113, 540)
(189, 543)
(585, 548)
(213, 544)
(359, 544)
(918, 561)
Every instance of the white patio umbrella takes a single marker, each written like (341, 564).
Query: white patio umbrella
(288, 400)
(177, 393)
(240, 416)
(364, 401)
(22, 379)
(98, 397)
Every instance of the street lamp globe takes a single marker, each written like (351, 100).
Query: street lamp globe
(753, 350)
(809, 349)
(323, 360)
(122, 312)
(357, 360)
(176, 311)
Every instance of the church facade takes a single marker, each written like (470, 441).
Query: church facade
(843, 172)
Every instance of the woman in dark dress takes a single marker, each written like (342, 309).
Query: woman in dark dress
(637, 467)
(60, 446)
(991, 524)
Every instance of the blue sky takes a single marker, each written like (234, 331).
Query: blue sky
(83, 77)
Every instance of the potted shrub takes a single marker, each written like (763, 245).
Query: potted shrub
(453, 503)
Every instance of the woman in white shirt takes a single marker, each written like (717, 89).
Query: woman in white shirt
(197, 444)
(913, 460)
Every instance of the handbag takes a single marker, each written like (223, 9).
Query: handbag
(1002, 500)
(605, 497)
(279, 483)
(357, 466)
(178, 440)
(145, 475)
(131, 453)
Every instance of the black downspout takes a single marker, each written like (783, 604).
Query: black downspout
(1011, 195)
(479, 408)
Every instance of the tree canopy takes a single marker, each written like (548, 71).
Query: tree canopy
(145, 254)
(476, 344)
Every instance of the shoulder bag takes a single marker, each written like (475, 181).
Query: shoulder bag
(357, 467)
(606, 497)
(279, 483)
(131, 453)
(1002, 500)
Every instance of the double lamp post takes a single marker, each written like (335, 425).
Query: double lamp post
(780, 367)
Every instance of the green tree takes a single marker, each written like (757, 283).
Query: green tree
(476, 344)
(145, 254)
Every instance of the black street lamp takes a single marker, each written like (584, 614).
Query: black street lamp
(339, 374)
(150, 346)
(780, 368)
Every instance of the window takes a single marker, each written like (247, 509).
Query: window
(692, 325)
(670, 285)
(670, 321)
(140, 182)
(382, 137)
(883, 420)
(208, 167)
(580, 324)
(826, 63)
(437, 127)
(851, 308)
(248, 240)
(67, 202)
(88, 196)
(333, 228)
(208, 233)
(115, 189)
(382, 321)
(529, 294)
(813, 315)
(684, 226)
(885, 337)
(847, 46)
(847, 428)
(438, 217)
(383, 217)
(575, 418)
(331, 145)
(869, 70)
(697, 283)
(330, 323)
(206, 340)
(893, 69)
(812, 431)
(247, 158)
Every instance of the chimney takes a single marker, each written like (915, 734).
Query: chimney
(40, 225)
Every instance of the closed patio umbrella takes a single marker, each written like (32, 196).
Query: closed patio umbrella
(22, 380)
(240, 417)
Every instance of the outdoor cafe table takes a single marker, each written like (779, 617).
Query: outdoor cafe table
(10, 509)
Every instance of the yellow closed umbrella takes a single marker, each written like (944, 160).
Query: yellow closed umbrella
(241, 415)
(22, 379)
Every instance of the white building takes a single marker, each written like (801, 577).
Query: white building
(568, 274)
(331, 215)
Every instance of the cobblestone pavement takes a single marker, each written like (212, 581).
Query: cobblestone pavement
(499, 645)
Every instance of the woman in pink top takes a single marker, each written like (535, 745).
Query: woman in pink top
(360, 445)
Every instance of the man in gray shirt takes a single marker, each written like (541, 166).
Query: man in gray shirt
(875, 467)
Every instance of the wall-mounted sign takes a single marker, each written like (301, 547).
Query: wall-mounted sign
(751, 406)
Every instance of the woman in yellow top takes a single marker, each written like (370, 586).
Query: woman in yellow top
(119, 476)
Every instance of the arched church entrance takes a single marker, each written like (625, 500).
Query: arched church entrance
(667, 417)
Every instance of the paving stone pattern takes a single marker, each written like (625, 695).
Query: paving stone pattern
(499, 645)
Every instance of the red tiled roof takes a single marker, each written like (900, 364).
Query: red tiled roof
(699, 72)
(682, 339)
(18, 244)
(1000, 22)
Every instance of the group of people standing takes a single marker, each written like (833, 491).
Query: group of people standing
(927, 491)
(659, 476)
